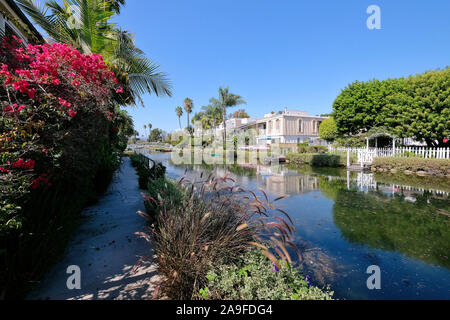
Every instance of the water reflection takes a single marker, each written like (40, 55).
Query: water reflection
(347, 221)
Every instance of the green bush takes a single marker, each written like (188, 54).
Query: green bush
(256, 278)
(312, 149)
(145, 173)
(317, 160)
(431, 166)
(328, 130)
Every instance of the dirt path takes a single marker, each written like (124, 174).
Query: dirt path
(106, 249)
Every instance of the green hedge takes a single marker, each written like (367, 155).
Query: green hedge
(413, 165)
(317, 159)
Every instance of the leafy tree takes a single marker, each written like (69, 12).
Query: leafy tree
(241, 114)
(226, 100)
(156, 135)
(328, 130)
(86, 25)
(422, 108)
(179, 112)
(417, 107)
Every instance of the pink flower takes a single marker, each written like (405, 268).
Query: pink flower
(120, 90)
(72, 113)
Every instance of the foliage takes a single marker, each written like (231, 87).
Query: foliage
(417, 106)
(255, 277)
(431, 166)
(87, 26)
(144, 171)
(240, 114)
(188, 107)
(213, 222)
(351, 142)
(328, 130)
(311, 149)
(317, 160)
(156, 135)
(61, 137)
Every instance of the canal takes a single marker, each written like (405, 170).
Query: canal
(348, 221)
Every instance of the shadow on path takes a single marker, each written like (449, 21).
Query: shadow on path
(106, 249)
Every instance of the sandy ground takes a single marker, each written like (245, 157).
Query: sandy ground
(107, 250)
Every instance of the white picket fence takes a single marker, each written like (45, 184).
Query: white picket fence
(420, 152)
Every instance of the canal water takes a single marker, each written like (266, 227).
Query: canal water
(348, 221)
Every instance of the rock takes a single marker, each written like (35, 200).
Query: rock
(422, 173)
(408, 172)
(394, 171)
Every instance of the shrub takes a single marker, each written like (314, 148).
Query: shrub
(328, 130)
(144, 171)
(312, 149)
(317, 160)
(256, 278)
(212, 223)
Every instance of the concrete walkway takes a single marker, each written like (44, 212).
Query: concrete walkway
(107, 250)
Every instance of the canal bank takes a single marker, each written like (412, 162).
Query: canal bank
(106, 249)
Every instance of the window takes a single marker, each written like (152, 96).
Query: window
(277, 125)
(300, 125)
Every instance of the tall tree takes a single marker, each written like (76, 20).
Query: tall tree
(188, 107)
(226, 100)
(179, 112)
(145, 129)
(416, 107)
(86, 25)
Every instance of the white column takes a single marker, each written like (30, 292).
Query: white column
(367, 139)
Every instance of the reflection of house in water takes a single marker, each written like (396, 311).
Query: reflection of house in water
(281, 181)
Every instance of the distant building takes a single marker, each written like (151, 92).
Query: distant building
(287, 127)
(14, 22)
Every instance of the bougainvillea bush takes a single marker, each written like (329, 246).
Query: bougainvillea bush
(59, 138)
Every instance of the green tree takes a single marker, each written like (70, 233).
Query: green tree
(179, 112)
(422, 108)
(226, 100)
(156, 135)
(87, 26)
(415, 107)
(241, 114)
(328, 130)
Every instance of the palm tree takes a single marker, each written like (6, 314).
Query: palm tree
(226, 100)
(85, 24)
(179, 112)
(145, 130)
(188, 107)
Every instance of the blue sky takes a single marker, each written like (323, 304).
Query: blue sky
(297, 54)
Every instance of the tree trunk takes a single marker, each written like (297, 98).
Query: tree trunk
(179, 122)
